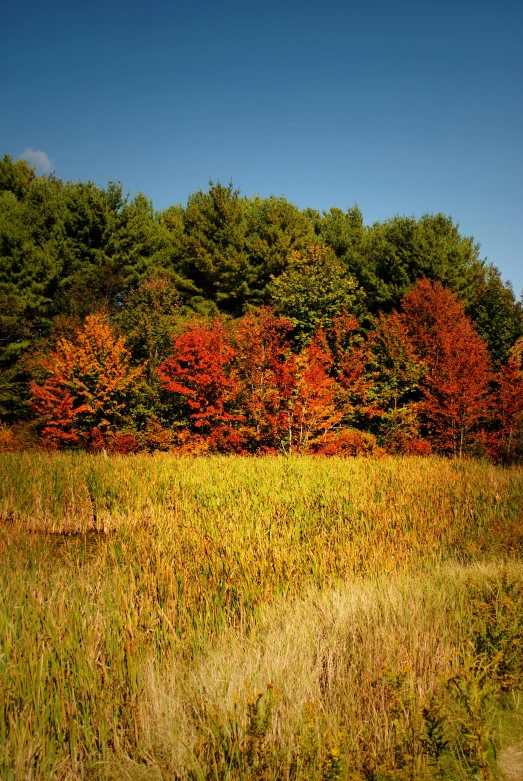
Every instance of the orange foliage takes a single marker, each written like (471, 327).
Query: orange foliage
(90, 382)
(312, 408)
(349, 442)
(455, 387)
(200, 369)
(265, 369)
(506, 437)
(419, 379)
(351, 360)
(417, 447)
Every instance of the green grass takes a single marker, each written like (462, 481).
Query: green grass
(238, 618)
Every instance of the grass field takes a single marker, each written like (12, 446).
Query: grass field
(242, 618)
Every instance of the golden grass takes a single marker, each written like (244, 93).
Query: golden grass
(138, 594)
(358, 664)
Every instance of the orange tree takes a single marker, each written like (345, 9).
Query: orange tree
(288, 400)
(86, 397)
(351, 367)
(505, 440)
(265, 368)
(457, 370)
(311, 409)
(200, 370)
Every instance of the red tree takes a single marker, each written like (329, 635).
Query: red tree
(352, 369)
(265, 369)
(201, 370)
(455, 386)
(506, 438)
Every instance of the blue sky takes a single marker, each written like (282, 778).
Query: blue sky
(403, 108)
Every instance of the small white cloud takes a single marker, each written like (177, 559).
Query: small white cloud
(37, 158)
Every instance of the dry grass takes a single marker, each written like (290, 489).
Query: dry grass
(360, 663)
(137, 647)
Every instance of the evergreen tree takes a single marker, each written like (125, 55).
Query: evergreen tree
(496, 315)
(275, 229)
(215, 252)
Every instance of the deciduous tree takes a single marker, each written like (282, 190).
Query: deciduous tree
(352, 367)
(89, 387)
(397, 373)
(200, 369)
(312, 410)
(314, 290)
(454, 400)
(506, 437)
(265, 367)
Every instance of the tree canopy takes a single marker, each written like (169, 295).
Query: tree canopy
(326, 308)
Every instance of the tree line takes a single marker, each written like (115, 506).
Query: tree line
(248, 325)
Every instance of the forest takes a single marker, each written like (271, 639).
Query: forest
(247, 325)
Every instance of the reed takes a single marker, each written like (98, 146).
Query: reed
(121, 578)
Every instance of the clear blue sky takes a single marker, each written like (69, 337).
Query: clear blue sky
(401, 107)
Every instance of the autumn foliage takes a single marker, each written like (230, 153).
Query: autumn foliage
(312, 410)
(89, 387)
(455, 387)
(265, 370)
(417, 381)
(505, 437)
(199, 369)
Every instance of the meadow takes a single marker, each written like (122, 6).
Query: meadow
(260, 618)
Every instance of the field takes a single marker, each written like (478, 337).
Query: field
(240, 618)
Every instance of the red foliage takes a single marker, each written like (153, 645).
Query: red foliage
(117, 443)
(224, 439)
(201, 370)
(455, 386)
(351, 362)
(507, 408)
(312, 408)
(417, 447)
(419, 380)
(265, 369)
(124, 444)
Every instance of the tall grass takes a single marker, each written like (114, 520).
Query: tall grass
(142, 598)
(374, 679)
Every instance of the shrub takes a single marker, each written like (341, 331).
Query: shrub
(349, 442)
